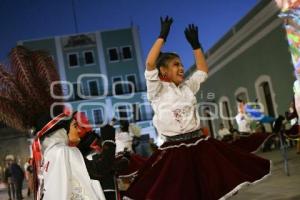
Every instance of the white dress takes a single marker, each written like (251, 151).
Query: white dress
(64, 175)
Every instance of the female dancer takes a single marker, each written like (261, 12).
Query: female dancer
(187, 166)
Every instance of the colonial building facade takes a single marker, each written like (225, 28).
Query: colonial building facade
(251, 61)
(102, 74)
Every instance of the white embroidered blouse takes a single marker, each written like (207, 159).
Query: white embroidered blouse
(175, 107)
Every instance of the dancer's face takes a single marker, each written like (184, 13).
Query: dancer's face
(174, 71)
(73, 135)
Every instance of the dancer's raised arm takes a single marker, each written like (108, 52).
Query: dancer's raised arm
(191, 34)
(158, 44)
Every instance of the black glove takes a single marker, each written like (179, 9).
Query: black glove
(165, 27)
(191, 34)
(85, 143)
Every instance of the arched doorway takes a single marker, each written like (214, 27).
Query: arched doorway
(225, 111)
(209, 113)
(266, 95)
(242, 93)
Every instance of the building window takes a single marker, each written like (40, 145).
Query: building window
(126, 52)
(76, 87)
(210, 124)
(266, 90)
(118, 86)
(132, 79)
(225, 112)
(93, 87)
(265, 98)
(122, 112)
(98, 117)
(113, 54)
(89, 58)
(73, 60)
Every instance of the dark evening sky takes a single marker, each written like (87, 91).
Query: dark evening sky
(29, 19)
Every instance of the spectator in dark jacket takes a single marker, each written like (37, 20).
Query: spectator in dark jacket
(8, 181)
(17, 176)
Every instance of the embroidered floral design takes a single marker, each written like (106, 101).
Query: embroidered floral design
(181, 114)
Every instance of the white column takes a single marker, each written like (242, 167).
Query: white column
(109, 109)
(60, 63)
(139, 58)
(101, 54)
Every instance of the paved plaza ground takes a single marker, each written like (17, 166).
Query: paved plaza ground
(277, 187)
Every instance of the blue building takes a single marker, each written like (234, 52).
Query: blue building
(102, 74)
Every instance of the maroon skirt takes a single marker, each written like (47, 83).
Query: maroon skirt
(252, 142)
(196, 169)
